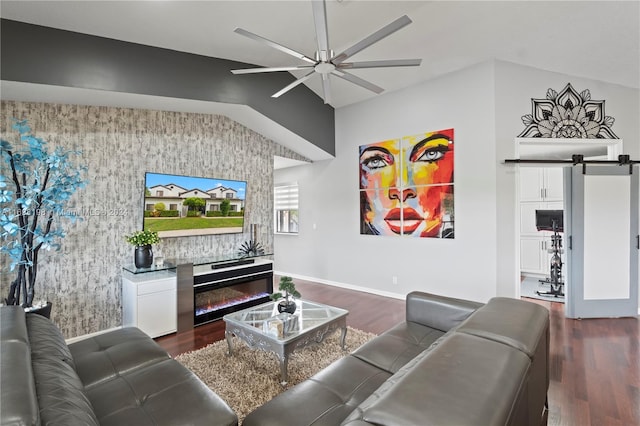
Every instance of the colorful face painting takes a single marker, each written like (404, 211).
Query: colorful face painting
(406, 186)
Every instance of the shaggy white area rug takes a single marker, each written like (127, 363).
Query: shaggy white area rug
(250, 377)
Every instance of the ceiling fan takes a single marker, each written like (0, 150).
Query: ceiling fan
(325, 62)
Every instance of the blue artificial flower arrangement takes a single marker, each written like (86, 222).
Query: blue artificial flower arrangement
(33, 197)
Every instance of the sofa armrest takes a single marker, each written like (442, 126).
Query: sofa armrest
(18, 397)
(439, 312)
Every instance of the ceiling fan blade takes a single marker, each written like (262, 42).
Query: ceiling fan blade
(326, 88)
(385, 31)
(273, 69)
(357, 80)
(320, 20)
(381, 64)
(294, 84)
(274, 45)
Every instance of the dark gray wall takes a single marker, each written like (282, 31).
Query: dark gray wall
(37, 54)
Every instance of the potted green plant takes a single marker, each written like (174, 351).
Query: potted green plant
(33, 198)
(287, 287)
(142, 240)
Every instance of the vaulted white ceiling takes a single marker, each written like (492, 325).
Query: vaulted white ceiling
(593, 39)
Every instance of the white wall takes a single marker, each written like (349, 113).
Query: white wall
(515, 86)
(336, 252)
(484, 105)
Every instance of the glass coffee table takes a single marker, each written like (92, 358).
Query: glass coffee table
(313, 322)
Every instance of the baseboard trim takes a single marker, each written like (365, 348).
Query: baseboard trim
(344, 285)
(87, 336)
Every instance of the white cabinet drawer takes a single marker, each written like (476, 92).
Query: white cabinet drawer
(157, 286)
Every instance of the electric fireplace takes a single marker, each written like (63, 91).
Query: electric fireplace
(227, 290)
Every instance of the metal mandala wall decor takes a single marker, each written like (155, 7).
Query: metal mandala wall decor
(568, 114)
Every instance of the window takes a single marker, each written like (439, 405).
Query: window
(285, 202)
(229, 195)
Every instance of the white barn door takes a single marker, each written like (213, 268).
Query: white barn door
(603, 242)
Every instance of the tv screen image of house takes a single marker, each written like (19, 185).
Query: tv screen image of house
(179, 206)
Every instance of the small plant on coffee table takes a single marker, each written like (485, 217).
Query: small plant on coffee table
(287, 287)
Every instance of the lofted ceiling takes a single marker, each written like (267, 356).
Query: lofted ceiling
(593, 39)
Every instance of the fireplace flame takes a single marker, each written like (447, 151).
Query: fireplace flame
(226, 302)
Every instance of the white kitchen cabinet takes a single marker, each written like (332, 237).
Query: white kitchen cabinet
(540, 184)
(535, 246)
(149, 302)
(532, 256)
(536, 253)
(540, 189)
(553, 184)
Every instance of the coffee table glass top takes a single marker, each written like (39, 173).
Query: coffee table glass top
(310, 315)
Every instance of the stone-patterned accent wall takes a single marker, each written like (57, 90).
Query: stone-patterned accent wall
(83, 279)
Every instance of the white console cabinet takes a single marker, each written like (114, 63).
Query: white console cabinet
(162, 299)
(149, 302)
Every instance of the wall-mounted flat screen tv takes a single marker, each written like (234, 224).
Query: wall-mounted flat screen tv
(179, 206)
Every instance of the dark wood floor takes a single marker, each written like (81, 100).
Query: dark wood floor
(367, 312)
(594, 370)
(594, 364)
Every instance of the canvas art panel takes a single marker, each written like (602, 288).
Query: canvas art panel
(407, 186)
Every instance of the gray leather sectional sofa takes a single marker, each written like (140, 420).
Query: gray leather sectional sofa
(452, 362)
(118, 378)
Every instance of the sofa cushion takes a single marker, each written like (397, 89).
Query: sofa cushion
(61, 399)
(106, 356)
(439, 312)
(163, 393)
(511, 322)
(393, 349)
(462, 380)
(47, 340)
(323, 400)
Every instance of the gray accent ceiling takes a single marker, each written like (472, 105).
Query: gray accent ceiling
(43, 55)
